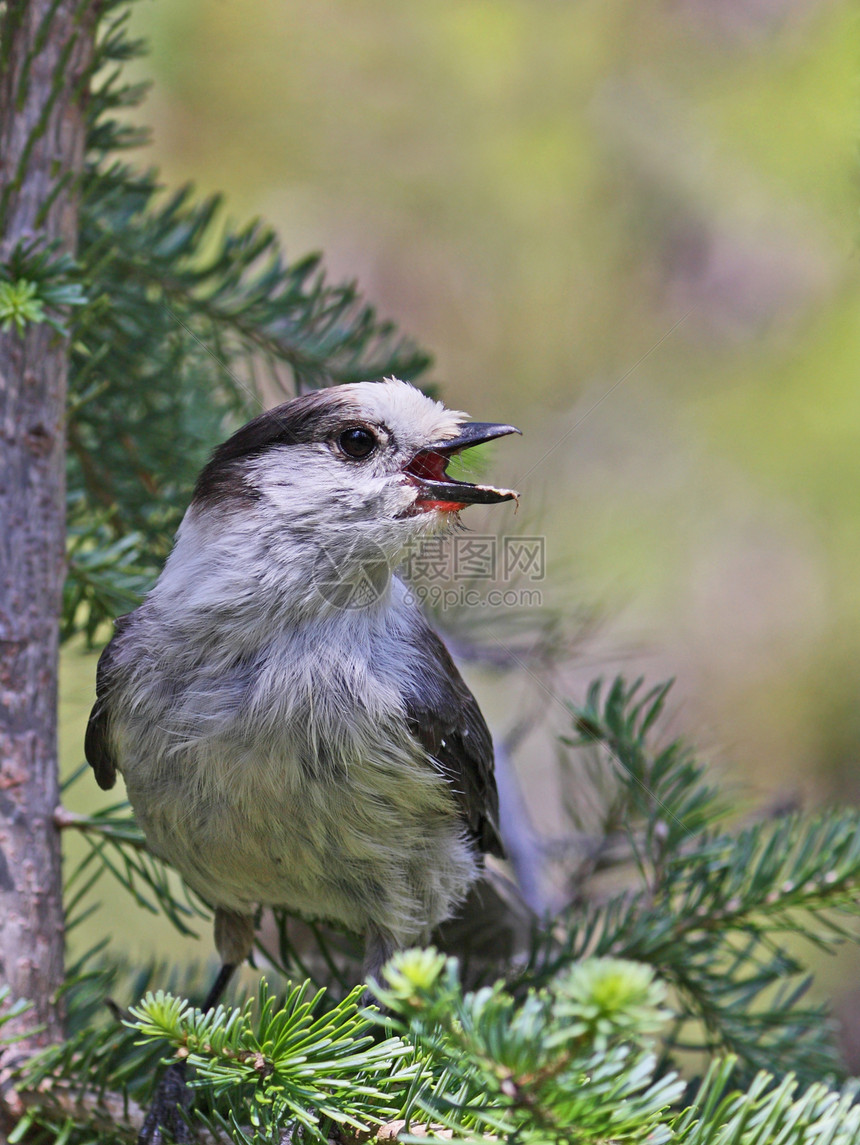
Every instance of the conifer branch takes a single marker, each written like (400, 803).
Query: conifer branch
(709, 910)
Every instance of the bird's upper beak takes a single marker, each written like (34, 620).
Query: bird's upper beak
(427, 470)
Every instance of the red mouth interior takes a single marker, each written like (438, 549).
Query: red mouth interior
(430, 466)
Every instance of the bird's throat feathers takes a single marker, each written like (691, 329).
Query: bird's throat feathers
(254, 568)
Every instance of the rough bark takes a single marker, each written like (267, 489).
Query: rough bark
(46, 52)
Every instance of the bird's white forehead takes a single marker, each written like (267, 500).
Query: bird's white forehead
(412, 417)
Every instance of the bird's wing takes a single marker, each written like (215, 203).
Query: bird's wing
(444, 717)
(97, 740)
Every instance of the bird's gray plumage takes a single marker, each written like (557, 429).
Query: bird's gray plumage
(445, 718)
(282, 745)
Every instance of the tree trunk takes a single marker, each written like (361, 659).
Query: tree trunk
(45, 52)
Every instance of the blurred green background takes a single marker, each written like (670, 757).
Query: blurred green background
(630, 229)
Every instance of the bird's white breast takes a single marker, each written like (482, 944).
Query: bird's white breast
(287, 775)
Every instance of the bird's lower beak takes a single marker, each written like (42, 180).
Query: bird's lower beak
(427, 470)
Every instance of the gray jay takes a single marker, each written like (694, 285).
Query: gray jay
(290, 730)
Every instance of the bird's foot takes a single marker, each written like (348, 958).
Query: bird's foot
(165, 1121)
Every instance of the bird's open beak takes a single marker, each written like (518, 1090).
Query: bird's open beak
(427, 470)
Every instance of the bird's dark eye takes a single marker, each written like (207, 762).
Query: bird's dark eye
(357, 442)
